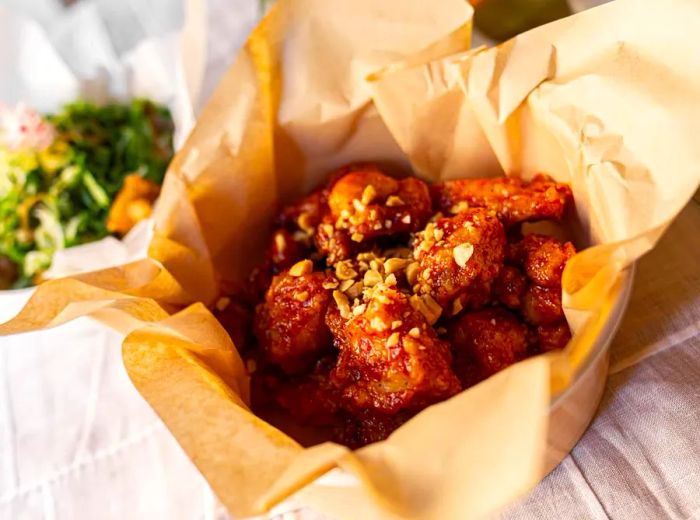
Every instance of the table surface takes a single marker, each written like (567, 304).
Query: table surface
(77, 441)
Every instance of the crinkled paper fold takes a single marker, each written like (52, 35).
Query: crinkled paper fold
(606, 100)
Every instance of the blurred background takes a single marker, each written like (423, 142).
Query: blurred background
(229, 21)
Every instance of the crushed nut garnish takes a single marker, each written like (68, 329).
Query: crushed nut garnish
(460, 207)
(438, 234)
(357, 237)
(301, 296)
(346, 284)
(414, 332)
(251, 365)
(343, 305)
(358, 205)
(372, 278)
(428, 307)
(378, 324)
(304, 222)
(406, 219)
(396, 324)
(328, 229)
(330, 284)
(222, 303)
(393, 340)
(359, 309)
(457, 306)
(355, 290)
(412, 270)
(368, 194)
(394, 201)
(301, 268)
(462, 253)
(345, 271)
(393, 265)
(388, 223)
(280, 242)
(300, 236)
(391, 280)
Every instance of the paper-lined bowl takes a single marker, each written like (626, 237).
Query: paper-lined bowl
(401, 86)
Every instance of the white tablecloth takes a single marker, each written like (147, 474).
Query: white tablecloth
(78, 442)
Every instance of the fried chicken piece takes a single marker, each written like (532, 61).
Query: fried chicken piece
(390, 357)
(510, 287)
(485, 342)
(310, 399)
(334, 244)
(543, 258)
(459, 259)
(236, 319)
(553, 337)
(283, 251)
(290, 325)
(305, 214)
(513, 199)
(133, 203)
(368, 427)
(542, 305)
(365, 205)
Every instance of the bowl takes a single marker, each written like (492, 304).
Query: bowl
(572, 411)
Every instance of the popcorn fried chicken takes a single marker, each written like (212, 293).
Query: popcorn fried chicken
(368, 427)
(542, 305)
(365, 204)
(543, 258)
(459, 259)
(513, 199)
(290, 325)
(487, 341)
(553, 337)
(133, 203)
(510, 287)
(390, 358)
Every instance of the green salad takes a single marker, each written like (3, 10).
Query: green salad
(60, 174)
